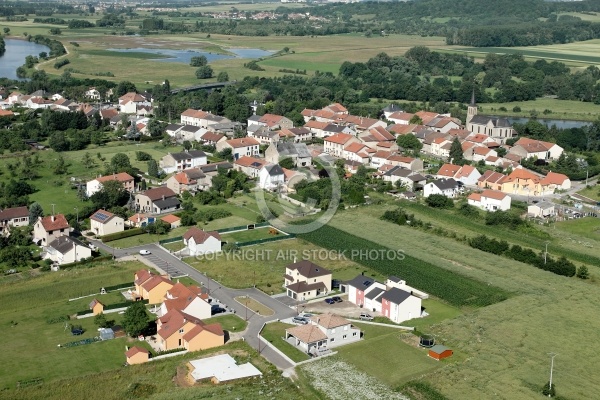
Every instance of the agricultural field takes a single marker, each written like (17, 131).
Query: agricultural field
(559, 109)
(250, 235)
(508, 340)
(264, 264)
(30, 302)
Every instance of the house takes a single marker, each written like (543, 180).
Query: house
(334, 145)
(212, 170)
(381, 158)
(468, 175)
(390, 109)
(490, 200)
(542, 209)
(491, 180)
(400, 117)
(523, 182)
(190, 133)
(139, 220)
(199, 242)
(103, 223)
(172, 220)
(189, 180)
(96, 306)
(178, 330)
(409, 179)
(324, 331)
(190, 300)
(527, 148)
(271, 121)
(447, 171)
(295, 134)
(95, 185)
(447, 187)
(240, 147)
(136, 355)
(399, 305)
(439, 352)
(554, 181)
(206, 120)
(304, 280)
(47, 229)
(478, 153)
(157, 201)
(221, 368)
(93, 94)
(129, 102)
(151, 287)
(173, 162)
(270, 177)
(13, 217)
(298, 152)
(249, 165)
(212, 138)
(65, 250)
(497, 128)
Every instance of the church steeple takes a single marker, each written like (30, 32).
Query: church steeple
(472, 109)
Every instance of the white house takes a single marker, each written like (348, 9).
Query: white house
(240, 147)
(447, 187)
(103, 223)
(490, 200)
(46, 229)
(468, 175)
(95, 185)
(188, 299)
(324, 331)
(93, 94)
(542, 209)
(270, 177)
(530, 148)
(66, 250)
(199, 242)
(334, 145)
(13, 217)
(173, 162)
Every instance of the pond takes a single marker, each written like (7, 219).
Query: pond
(184, 56)
(560, 123)
(14, 57)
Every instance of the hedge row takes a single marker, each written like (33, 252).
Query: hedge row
(121, 235)
(119, 286)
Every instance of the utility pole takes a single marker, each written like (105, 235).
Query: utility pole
(77, 215)
(246, 307)
(587, 175)
(552, 355)
(546, 253)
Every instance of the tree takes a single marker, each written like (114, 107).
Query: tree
(112, 194)
(120, 162)
(124, 87)
(156, 128)
(187, 145)
(35, 211)
(88, 161)
(409, 142)
(101, 321)
(204, 72)
(583, 273)
(61, 166)
(416, 120)
(223, 77)
(6, 31)
(287, 163)
(456, 153)
(439, 201)
(58, 142)
(198, 61)
(549, 391)
(153, 168)
(135, 319)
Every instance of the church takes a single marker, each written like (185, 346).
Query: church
(498, 129)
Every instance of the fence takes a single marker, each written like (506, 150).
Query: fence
(123, 234)
(119, 286)
(112, 307)
(224, 230)
(266, 240)
(171, 240)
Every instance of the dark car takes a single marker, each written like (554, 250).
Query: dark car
(77, 332)
(216, 309)
(337, 299)
(330, 301)
(300, 320)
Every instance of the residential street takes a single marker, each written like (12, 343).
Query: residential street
(169, 263)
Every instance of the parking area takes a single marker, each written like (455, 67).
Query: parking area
(164, 265)
(345, 308)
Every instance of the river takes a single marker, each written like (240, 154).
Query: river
(560, 123)
(14, 57)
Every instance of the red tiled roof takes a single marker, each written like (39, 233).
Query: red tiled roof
(493, 194)
(242, 142)
(212, 137)
(354, 147)
(53, 223)
(121, 177)
(534, 146)
(339, 138)
(134, 350)
(475, 196)
(492, 177)
(401, 115)
(199, 235)
(247, 161)
(448, 170)
(170, 218)
(554, 178)
(15, 212)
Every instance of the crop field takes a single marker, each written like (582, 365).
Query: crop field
(508, 340)
(455, 289)
(30, 341)
(264, 264)
(561, 109)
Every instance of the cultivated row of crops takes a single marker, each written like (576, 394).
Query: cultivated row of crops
(455, 289)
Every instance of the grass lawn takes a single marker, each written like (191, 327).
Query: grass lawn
(275, 334)
(581, 226)
(591, 192)
(250, 235)
(380, 354)
(31, 342)
(561, 109)
(438, 311)
(231, 323)
(264, 264)
(174, 246)
(146, 238)
(254, 305)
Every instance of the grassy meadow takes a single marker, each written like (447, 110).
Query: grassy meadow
(560, 109)
(508, 340)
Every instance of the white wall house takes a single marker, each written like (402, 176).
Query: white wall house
(490, 200)
(199, 242)
(270, 177)
(66, 250)
(103, 222)
(174, 162)
(446, 187)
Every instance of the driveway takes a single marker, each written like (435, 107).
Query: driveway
(345, 308)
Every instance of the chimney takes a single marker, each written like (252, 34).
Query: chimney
(52, 218)
(163, 197)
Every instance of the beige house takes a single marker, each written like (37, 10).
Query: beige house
(66, 250)
(250, 166)
(298, 152)
(96, 306)
(157, 200)
(46, 229)
(189, 180)
(240, 147)
(136, 355)
(173, 162)
(103, 222)
(304, 280)
(151, 287)
(334, 145)
(95, 185)
(173, 220)
(13, 217)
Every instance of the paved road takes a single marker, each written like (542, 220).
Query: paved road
(167, 262)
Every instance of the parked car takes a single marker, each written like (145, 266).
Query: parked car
(366, 317)
(144, 252)
(329, 301)
(337, 299)
(217, 310)
(306, 315)
(300, 320)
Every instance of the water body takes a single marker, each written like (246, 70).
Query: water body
(14, 57)
(560, 123)
(185, 56)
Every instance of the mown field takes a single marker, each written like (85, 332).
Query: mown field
(507, 343)
(560, 109)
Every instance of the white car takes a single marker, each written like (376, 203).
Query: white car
(144, 252)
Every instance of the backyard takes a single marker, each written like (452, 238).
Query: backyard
(274, 333)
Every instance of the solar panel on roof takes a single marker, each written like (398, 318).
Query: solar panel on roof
(101, 216)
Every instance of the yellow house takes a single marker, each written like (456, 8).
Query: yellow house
(96, 307)
(522, 182)
(305, 280)
(151, 287)
(179, 330)
(136, 355)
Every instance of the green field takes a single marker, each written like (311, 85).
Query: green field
(230, 322)
(129, 54)
(250, 235)
(275, 334)
(561, 109)
(505, 344)
(592, 192)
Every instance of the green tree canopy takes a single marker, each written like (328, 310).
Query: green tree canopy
(135, 319)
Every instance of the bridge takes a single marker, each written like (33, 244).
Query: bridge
(213, 85)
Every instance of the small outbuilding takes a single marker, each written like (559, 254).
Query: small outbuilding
(137, 355)
(106, 333)
(439, 352)
(96, 307)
